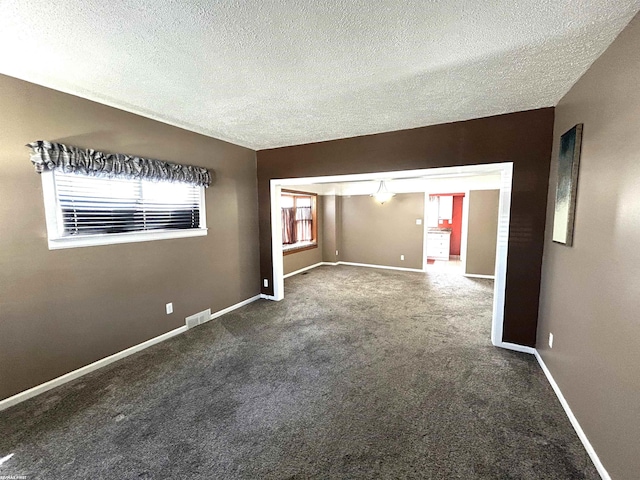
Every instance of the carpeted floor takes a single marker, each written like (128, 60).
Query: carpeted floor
(358, 373)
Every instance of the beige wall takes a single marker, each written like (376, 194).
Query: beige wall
(590, 296)
(329, 230)
(306, 258)
(378, 234)
(482, 233)
(62, 309)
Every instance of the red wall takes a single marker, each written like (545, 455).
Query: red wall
(456, 222)
(456, 226)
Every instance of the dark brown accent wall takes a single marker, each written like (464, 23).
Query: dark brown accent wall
(524, 138)
(63, 309)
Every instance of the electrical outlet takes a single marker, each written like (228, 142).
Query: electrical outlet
(401, 257)
(418, 221)
(169, 308)
(336, 253)
(551, 340)
(265, 282)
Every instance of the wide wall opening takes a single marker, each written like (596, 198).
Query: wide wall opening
(452, 218)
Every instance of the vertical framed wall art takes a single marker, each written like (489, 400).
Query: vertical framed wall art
(567, 186)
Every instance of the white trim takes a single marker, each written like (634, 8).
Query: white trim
(44, 387)
(464, 230)
(516, 348)
(477, 275)
(53, 215)
(276, 243)
(330, 263)
(303, 270)
(269, 297)
(219, 313)
(574, 421)
(103, 362)
(502, 244)
(398, 174)
(425, 230)
(203, 209)
(114, 238)
(368, 265)
(54, 222)
(502, 250)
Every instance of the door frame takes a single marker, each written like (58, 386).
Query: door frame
(504, 210)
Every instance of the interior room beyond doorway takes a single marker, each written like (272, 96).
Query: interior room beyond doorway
(355, 229)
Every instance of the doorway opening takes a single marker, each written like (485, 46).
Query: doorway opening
(497, 176)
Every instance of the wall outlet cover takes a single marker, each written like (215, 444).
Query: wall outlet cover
(401, 257)
(265, 282)
(551, 340)
(169, 308)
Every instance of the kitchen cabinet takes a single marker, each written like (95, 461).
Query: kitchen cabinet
(438, 245)
(439, 209)
(445, 208)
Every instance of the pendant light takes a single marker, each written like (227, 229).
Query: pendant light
(382, 195)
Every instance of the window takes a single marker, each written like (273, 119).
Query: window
(85, 210)
(299, 224)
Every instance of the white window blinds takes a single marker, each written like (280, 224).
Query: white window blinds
(95, 205)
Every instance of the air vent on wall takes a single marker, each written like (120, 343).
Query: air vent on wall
(198, 318)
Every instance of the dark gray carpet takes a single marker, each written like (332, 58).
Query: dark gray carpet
(358, 373)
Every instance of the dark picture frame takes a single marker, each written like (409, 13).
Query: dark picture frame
(567, 185)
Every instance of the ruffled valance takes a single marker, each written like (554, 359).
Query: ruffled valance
(69, 159)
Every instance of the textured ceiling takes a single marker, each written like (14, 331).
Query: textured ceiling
(265, 73)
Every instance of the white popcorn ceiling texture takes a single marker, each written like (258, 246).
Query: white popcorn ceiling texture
(272, 73)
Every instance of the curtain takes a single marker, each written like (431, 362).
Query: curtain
(69, 159)
(289, 226)
(304, 219)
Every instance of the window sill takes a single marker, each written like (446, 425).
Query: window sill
(115, 238)
(288, 250)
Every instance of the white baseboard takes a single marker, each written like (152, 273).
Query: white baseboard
(268, 297)
(474, 275)
(44, 387)
(384, 267)
(353, 264)
(303, 270)
(103, 362)
(516, 348)
(234, 307)
(574, 421)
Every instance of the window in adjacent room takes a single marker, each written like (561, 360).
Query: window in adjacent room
(299, 223)
(87, 210)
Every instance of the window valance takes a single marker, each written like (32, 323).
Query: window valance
(57, 156)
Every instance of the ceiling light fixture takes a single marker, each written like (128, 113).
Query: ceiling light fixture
(383, 195)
